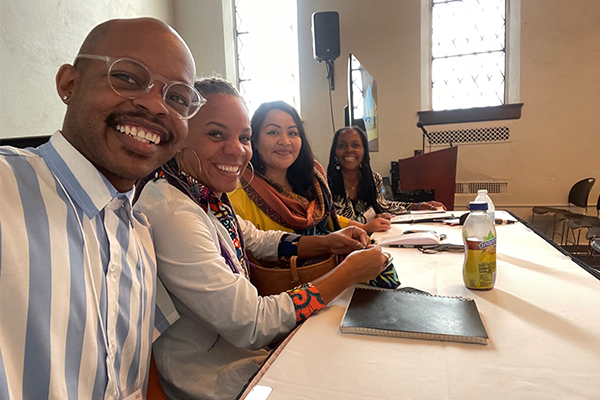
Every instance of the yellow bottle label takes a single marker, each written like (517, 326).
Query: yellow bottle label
(479, 270)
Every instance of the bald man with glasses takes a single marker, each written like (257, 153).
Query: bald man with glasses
(77, 264)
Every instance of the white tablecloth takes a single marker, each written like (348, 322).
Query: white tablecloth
(542, 317)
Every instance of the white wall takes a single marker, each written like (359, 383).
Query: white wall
(554, 144)
(200, 23)
(37, 37)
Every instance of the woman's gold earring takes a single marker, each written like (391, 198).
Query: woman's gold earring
(252, 168)
(197, 159)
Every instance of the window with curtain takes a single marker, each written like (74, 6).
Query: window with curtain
(468, 54)
(267, 51)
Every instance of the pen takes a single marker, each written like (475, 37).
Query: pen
(411, 246)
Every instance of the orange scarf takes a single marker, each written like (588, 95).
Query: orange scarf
(287, 208)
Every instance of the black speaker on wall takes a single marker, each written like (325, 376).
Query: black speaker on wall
(326, 35)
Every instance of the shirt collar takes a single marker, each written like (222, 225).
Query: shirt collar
(85, 185)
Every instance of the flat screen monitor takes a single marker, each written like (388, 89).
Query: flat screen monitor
(362, 101)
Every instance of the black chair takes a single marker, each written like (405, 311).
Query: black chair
(388, 193)
(592, 234)
(26, 141)
(577, 222)
(595, 247)
(578, 196)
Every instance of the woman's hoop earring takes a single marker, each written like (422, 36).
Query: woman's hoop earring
(251, 179)
(252, 168)
(197, 159)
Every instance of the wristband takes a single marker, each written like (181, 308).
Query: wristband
(418, 205)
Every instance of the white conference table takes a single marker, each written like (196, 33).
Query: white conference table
(542, 317)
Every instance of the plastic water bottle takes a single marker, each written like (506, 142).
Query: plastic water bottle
(482, 196)
(479, 237)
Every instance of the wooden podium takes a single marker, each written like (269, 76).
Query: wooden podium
(435, 170)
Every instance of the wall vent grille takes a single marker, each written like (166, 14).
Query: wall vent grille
(478, 135)
(473, 187)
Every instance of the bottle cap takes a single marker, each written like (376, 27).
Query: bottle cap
(478, 206)
(482, 191)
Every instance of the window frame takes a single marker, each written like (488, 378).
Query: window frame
(512, 107)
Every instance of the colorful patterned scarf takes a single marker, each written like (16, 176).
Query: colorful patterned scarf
(207, 200)
(290, 209)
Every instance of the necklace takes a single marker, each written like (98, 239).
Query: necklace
(353, 187)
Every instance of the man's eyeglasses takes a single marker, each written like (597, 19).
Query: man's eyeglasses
(131, 79)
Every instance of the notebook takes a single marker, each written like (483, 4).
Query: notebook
(421, 216)
(413, 315)
(411, 239)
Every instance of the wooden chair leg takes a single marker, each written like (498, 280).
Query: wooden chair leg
(155, 391)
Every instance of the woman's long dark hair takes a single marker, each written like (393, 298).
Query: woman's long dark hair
(366, 190)
(300, 173)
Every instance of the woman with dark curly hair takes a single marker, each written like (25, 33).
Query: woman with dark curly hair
(357, 189)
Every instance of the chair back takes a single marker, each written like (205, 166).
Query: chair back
(596, 245)
(593, 234)
(580, 192)
(24, 141)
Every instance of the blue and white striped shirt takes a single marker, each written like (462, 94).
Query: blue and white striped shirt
(77, 279)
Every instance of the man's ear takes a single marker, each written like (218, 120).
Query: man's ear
(65, 82)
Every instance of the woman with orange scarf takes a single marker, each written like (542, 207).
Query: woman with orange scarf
(286, 188)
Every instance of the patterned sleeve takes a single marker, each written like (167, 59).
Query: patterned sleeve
(388, 279)
(393, 207)
(288, 246)
(344, 208)
(307, 301)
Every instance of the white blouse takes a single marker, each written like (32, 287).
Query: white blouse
(217, 344)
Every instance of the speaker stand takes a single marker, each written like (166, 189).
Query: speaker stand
(330, 74)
